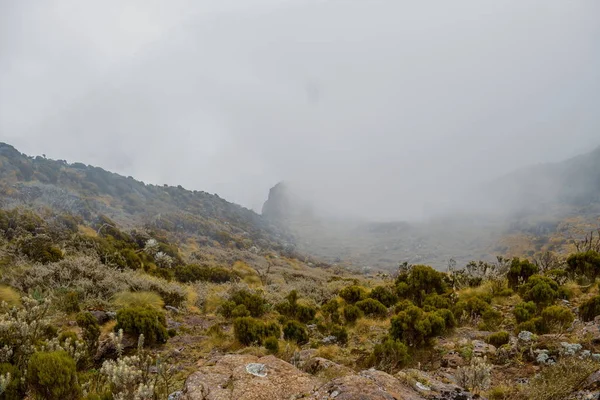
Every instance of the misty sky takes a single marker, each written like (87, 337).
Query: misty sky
(377, 108)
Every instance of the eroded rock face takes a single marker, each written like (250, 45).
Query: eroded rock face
(246, 377)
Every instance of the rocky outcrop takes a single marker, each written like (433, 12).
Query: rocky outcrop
(247, 377)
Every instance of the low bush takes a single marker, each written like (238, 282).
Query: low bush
(53, 376)
(15, 390)
(295, 332)
(524, 311)
(540, 289)
(491, 319)
(556, 319)
(389, 356)
(194, 273)
(248, 330)
(240, 311)
(340, 333)
(420, 281)
(416, 327)
(351, 314)
(90, 330)
(590, 309)
(272, 344)
(253, 302)
(385, 295)
(352, 294)
(585, 263)
(372, 308)
(147, 321)
(498, 339)
(519, 272)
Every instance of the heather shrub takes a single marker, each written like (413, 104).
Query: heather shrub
(352, 294)
(248, 330)
(416, 327)
(556, 319)
(272, 344)
(498, 339)
(195, 273)
(146, 321)
(53, 376)
(435, 301)
(70, 302)
(90, 330)
(519, 272)
(524, 311)
(589, 309)
(40, 249)
(253, 302)
(351, 314)
(372, 308)
(540, 289)
(385, 295)
(295, 332)
(240, 311)
(420, 281)
(585, 263)
(389, 356)
(292, 309)
(340, 333)
(491, 319)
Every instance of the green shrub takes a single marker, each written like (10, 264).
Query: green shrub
(473, 306)
(40, 249)
(385, 295)
(352, 294)
(254, 302)
(272, 345)
(420, 281)
(70, 302)
(434, 301)
(340, 333)
(195, 273)
(52, 375)
(499, 338)
(534, 325)
(147, 321)
(556, 319)
(416, 327)
(447, 316)
(248, 330)
(587, 264)
(240, 311)
(330, 307)
(226, 309)
(590, 309)
(90, 330)
(519, 272)
(389, 356)
(372, 308)
(351, 314)
(492, 318)
(296, 332)
(291, 309)
(15, 390)
(524, 311)
(540, 289)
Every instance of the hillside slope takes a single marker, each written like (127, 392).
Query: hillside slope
(88, 191)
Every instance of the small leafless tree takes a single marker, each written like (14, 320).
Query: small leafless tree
(591, 242)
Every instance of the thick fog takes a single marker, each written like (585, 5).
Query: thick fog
(380, 109)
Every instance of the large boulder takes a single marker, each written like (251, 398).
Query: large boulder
(247, 377)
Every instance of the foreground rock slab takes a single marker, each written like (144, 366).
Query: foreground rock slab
(247, 377)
